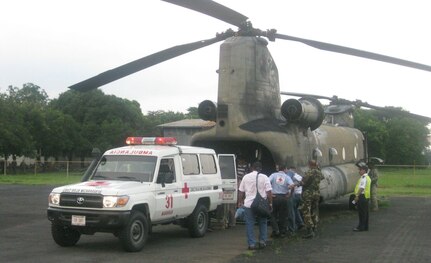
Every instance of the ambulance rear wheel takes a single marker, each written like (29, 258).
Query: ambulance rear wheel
(135, 234)
(64, 236)
(198, 221)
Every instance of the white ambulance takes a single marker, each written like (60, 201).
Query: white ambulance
(151, 181)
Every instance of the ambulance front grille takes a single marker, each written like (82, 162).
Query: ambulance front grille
(81, 200)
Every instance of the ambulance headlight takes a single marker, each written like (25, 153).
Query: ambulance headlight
(115, 201)
(54, 199)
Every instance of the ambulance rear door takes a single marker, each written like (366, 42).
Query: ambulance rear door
(229, 178)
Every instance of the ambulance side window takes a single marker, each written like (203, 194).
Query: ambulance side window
(190, 163)
(166, 171)
(208, 164)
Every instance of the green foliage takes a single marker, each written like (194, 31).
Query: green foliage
(408, 141)
(63, 135)
(155, 118)
(72, 124)
(192, 113)
(397, 140)
(375, 130)
(29, 94)
(15, 119)
(105, 121)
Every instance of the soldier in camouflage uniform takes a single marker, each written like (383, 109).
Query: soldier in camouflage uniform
(374, 176)
(310, 198)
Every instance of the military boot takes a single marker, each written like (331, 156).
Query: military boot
(309, 233)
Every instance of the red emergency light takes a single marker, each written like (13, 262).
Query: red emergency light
(151, 141)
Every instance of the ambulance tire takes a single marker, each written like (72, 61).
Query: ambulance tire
(198, 221)
(64, 236)
(135, 234)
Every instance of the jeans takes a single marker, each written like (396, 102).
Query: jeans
(297, 199)
(291, 223)
(250, 220)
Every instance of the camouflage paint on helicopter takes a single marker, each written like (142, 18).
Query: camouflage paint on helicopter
(249, 120)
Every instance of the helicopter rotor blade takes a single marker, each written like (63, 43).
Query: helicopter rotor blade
(392, 111)
(296, 94)
(354, 52)
(212, 9)
(359, 103)
(142, 63)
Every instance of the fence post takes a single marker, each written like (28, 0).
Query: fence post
(67, 169)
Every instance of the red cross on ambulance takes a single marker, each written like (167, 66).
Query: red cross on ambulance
(185, 190)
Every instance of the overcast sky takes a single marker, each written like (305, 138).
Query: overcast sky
(55, 44)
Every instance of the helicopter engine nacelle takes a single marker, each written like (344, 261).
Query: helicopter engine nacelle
(207, 110)
(307, 112)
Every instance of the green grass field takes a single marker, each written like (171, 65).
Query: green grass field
(392, 181)
(41, 179)
(404, 181)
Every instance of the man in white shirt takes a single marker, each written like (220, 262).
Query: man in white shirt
(247, 193)
(362, 195)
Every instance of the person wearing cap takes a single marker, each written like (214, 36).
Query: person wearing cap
(362, 196)
(311, 197)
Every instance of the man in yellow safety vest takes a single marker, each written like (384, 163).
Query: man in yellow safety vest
(362, 197)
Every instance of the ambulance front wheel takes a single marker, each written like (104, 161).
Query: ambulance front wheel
(198, 221)
(64, 236)
(135, 234)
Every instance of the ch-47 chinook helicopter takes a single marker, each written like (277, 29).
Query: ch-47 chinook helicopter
(250, 118)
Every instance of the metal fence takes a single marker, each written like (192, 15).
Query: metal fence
(37, 167)
(79, 167)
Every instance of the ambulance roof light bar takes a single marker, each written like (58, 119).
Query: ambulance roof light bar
(151, 141)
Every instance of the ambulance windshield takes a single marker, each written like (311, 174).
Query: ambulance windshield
(125, 168)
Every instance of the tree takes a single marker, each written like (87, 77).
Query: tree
(15, 136)
(155, 118)
(192, 113)
(63, 135)
(29, 94)
(408, 141)
(105, 120)
(398, 139)
(32, 101)
(33, 125)
(375, 129)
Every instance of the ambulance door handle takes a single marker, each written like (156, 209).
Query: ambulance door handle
(176, 191)
(161, 193)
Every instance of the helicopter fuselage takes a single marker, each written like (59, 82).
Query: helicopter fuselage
(250, 122)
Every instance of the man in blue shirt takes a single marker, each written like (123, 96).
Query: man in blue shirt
(281, 185)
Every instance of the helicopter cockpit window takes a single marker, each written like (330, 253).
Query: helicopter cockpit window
(125, 168)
